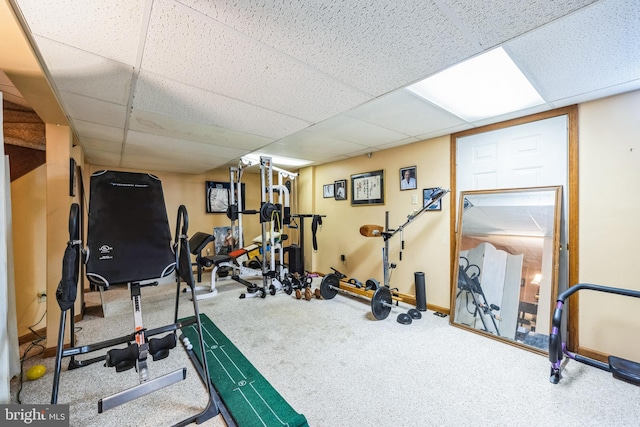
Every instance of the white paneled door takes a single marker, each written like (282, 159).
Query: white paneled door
(529, 155)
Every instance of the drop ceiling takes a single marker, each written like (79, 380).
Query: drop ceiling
(192, 85)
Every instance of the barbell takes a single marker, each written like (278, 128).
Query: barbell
(381, 296)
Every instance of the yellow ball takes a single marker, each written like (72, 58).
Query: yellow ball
(35, 372)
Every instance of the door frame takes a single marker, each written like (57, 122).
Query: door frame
(572, 197)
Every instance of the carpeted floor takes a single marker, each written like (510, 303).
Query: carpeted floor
(336, 365)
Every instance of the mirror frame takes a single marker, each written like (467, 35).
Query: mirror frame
(571, 221)
(557, 214)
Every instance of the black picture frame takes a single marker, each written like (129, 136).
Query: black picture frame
(218, 196)
(367, 188)
(340, 189)
(426, 195)
(411, 181)
(328, 191)
(73, 178)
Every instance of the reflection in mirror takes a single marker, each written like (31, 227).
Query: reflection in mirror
(507, 249)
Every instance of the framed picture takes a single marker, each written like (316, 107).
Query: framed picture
(367, 188)
(426, 196)
(218, 196)
(225, 241)
(328, 191)
(340, 189)
(408, 178)
(73, 177)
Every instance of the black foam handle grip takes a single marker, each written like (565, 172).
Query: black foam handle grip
(117, 355)
(165, 343)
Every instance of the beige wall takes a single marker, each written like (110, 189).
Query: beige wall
(28, 197)
(609, 157)
(609, 137)
(426, 239)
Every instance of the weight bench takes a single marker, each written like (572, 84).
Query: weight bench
(235, 261)
(198, 243)
(129, 242)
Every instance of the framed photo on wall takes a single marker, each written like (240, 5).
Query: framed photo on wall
(340, 189)
(218, 196)
(367, 188)
(328, 191)
(426, 196)
(408, 178)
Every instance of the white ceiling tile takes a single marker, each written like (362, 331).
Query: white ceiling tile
(93, 144)
(162, 125)
(97, 131)
(597, 94)
(224, 61)
(491, 22)
(405, 39)
(145, 161)
(94, 110)
(595, 49)
(321, 142)
(109, 29)
(179, 148)
(168, 97)
(313, 154)
(102, 158)
(83, 73)
(398, 143)
(346, 128)
(403, 112)
(312, 80)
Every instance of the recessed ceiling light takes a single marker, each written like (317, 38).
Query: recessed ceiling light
(276, 160)
(486, 86)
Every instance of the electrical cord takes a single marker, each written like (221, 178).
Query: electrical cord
(25, 356)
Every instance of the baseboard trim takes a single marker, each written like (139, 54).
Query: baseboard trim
(32, 336)
(593, 354)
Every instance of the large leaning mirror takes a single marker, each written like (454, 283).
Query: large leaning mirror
(507, 270)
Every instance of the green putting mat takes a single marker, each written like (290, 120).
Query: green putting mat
(248, 396)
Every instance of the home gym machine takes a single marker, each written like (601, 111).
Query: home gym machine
(382, 297)
(622, 369)
(264, 257)
(469, 282)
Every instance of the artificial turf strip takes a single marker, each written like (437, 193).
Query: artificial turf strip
(249, 397)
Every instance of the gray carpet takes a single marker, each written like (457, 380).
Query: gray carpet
(336, 365)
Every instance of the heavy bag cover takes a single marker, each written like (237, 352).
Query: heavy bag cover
(128, 236)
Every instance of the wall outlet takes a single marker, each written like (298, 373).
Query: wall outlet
(414, 200)
(42, 297)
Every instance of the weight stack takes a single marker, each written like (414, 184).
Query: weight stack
(421, 293)
(295, 259)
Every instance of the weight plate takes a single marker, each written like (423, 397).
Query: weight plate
(286, 285)
(381, 303)
(414, 313)
(372, 284)
(329, 286)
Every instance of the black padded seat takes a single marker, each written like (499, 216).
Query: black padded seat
(198, 243)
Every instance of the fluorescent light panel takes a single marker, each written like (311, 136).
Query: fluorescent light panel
(486, 86)
(276, 160)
